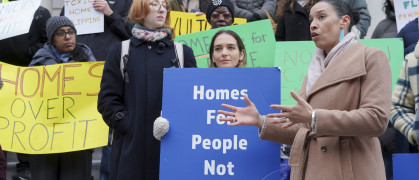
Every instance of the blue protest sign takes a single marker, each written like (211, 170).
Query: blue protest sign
(405, 166)
(198, 146)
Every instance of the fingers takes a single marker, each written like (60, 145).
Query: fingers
(297, 97)
(288, 125)
(278, 115)
(233, 108)
(246, 98)
(227, 113)
(278, 120)
(281, 107)
(230, 119)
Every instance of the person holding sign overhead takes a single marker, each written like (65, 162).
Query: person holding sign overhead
(343, 104)
(62, 47)
(116, 26)
(130, 98)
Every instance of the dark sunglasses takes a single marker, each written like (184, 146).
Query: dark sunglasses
(216, 15)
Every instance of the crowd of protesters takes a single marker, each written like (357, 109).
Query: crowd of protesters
(131, 101)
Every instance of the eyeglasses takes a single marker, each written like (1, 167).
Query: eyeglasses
(61, 34)
(156, 6)
(216, 15)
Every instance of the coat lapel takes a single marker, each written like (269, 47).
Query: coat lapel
(347, 65)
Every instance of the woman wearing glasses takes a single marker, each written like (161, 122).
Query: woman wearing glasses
(61, 48)
(131, 102)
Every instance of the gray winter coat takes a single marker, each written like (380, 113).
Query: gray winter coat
(364, 14)
(45, 56)
(246, 8)
(387, 28)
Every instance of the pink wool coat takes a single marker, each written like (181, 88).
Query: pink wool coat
(352, 98)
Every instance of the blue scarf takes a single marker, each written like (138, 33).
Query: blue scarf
(62, 57)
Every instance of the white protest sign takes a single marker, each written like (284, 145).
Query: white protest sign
(86, 19)
(406, 11)
(16, 17)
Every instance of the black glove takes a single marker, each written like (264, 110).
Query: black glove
(255, 17)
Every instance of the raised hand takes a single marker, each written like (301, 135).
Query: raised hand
(299, 113)
(242, 115)
(102, 6)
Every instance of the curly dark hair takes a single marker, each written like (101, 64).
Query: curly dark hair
(388, 8)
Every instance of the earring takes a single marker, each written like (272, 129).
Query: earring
(342, 34)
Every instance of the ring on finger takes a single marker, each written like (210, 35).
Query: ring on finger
(234, 119)
(288, 120)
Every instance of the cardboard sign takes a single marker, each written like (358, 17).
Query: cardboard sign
(16, 17)
(198, 145)
(51, 109)
(405, 11)
(405, 166)
(185, 23)
(294, 58)
(258, 38)
(84, 17)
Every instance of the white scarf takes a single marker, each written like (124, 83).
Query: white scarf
(319, 62)
(302, 2)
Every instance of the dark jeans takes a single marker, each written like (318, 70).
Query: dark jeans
(62, 166)
(22, 166)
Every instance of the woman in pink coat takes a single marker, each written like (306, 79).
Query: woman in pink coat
(342, 106)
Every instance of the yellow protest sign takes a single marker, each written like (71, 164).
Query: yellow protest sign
(51, 109)
(185, 23)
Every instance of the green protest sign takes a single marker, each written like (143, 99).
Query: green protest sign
(257, 37)
(294, 58)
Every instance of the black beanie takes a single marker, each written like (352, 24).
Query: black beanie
(56, 22)
(213, 4)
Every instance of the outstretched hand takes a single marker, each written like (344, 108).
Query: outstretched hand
(242, 115)
(299, 113)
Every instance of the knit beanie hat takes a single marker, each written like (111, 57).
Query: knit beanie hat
(56, 22)
(213, 4)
